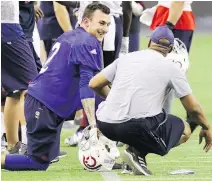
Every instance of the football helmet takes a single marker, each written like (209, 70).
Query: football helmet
(96, 152)
(179, 55)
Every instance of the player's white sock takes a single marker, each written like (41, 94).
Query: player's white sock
(23, 134)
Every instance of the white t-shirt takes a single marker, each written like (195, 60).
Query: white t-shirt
(141, 82)
(10, 12)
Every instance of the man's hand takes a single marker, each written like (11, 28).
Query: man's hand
(207, 134)
(38, 12)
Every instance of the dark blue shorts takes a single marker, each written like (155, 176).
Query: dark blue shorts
(185, 36)
(18, 65)
(43, 130)
(156, 134)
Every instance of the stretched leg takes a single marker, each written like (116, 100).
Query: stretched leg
(16, 162)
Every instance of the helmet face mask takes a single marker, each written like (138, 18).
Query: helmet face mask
(96, 152)
(179, 55)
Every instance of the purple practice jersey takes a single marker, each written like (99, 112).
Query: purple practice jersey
(60, 83)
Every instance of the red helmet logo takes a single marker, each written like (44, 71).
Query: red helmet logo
(91, 166)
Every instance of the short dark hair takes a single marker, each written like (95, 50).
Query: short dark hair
(91, 8)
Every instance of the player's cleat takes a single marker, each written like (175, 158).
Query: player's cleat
(55, 160)
(23, 149)
(74, 139)
(117, 166)
(138, 164)
(61, 155)
(15, 149)
(126, 169)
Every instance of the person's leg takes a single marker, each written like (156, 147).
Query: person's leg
(133, 134)
(11, 117)
(17, 162)
(48, 45)
(185, 36)
(43, 132)
(134, 41)
(18, 69)
(118, 37)
(186, 134)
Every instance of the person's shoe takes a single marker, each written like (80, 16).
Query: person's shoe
(126, 169)
(15, 149)
(137, 163)
(62, 154)
(23, 149)
(117, 166)
(55, 160)
(74, 139)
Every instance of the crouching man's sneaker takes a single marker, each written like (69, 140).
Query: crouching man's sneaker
(137, 163)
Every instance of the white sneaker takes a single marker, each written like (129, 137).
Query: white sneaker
(74, 140)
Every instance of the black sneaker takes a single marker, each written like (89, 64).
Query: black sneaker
(15, 149)
(137, 163)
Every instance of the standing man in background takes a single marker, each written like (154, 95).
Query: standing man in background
(57, 20)
(18, 69)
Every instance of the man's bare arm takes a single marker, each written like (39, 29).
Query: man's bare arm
(197, 116)
(89, 108)
(195, 111)
(100, 85)
(62, 16)
(175, 11)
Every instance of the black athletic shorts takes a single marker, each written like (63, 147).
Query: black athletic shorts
(156, 134)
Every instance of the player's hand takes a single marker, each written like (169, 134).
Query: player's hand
(207, 134)
(38, 12)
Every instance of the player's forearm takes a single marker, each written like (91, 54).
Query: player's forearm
(127, 17)
(197, 116)
(89, 108)
(62, 16)
(103, 91)
(175, 11)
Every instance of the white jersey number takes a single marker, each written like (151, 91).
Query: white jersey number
(55, 49)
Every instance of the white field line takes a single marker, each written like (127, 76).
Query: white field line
(180, 161)
(166, 178)
(110, 176)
